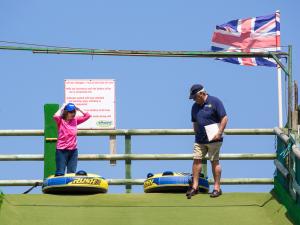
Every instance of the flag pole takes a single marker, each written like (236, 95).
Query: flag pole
(279, 81)
(279, 86)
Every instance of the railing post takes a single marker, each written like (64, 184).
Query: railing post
(128, 162)
(204, 167)
(112, 148)
(50, 131)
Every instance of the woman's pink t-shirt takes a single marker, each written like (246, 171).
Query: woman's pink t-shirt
(67, 131)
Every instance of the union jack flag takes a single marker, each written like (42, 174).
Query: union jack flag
(254, 34)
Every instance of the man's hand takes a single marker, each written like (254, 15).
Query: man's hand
(217, 137)
(222, 126)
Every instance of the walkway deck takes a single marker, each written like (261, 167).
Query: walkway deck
(142, 209)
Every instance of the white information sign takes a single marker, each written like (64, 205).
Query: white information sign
(96, 96)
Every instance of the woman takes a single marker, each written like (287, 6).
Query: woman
(66, 147)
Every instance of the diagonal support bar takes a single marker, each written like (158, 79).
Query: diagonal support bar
(86, 51)
(275, 57)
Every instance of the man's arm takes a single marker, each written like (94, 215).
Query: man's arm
(222, 126)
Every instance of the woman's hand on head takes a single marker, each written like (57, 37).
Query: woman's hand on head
(63, 106)
(60, 110)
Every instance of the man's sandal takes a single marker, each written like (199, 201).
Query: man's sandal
(216, 193)
(191, 192)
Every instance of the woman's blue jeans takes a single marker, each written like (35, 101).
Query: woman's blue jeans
(66, 158)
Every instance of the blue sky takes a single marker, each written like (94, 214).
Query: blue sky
(151, 92)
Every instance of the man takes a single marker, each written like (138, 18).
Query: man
(205, 111)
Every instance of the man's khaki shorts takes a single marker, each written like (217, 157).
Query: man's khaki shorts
(213, 150)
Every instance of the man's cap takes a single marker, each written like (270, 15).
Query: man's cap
(195, 89)
(70, 107)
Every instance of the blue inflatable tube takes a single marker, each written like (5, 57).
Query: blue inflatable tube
(171, 182)
(75, 184)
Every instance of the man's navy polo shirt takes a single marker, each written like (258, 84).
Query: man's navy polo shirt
(212, 111)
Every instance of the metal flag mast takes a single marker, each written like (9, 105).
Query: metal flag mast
(279, 81)
(279, 86)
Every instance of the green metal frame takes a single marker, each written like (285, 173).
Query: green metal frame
(50, 138)
(85, 51)
(49, 125)
(283, 196)
(287, 177)
(128, 162)
(199, 54)
(49, 146)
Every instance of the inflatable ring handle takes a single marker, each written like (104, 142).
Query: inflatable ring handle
(150, 175)
(81, 173)
(168, 173)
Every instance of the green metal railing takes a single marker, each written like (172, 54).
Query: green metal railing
(287, 177)
(50, 137)
(286, 181)
(50, 128)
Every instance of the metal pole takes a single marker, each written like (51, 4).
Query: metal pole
(290, 89)
(113, 148)
(85, 51)
(279, 86)
(204, 167)
(99, 157)
(224, 181)
(123, 132)
(128, 162)
(21, 132)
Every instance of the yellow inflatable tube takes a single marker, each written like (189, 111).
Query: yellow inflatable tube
(75, 184)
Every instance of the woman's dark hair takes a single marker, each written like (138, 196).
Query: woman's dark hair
(64, 114)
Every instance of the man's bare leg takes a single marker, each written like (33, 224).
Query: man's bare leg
(216, 170)
(197, 166)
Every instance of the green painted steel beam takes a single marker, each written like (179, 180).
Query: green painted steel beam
(263, 131)
(275, 57)
(128, 162)
(204, 167)
(197, 54)
(50, 131)
(241, 156)
(97, 157)
(224, 181)
(85, 51)
(21, 132)
(122, 132)
(20, 182)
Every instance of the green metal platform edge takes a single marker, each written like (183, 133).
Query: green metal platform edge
(50, 132)
(284, 198)
(143, 209)
(1, 198)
